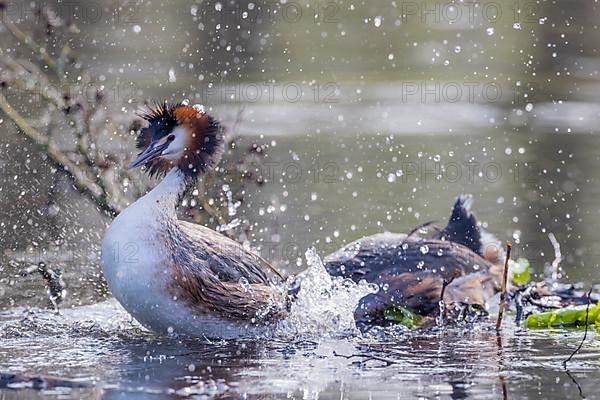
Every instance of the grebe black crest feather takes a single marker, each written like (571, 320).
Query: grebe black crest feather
(462, 227)
(201, 143)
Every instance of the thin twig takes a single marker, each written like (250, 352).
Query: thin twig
(581, 395)
(366, 358)
(445, 284)
(423, 225)
(239, 118)
(587, 316)
(503, 289)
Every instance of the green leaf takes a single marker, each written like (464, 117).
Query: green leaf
(565, 317)
(403, 316)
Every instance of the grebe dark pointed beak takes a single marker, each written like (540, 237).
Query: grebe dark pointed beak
(152, 152)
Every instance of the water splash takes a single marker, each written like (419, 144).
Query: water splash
(439, 319)
(231, 225)
(325, 305)
(232, 206)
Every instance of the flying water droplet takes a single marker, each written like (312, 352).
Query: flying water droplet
(172, 77)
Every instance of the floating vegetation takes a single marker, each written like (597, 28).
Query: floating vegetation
(550, 306)
(573, 316)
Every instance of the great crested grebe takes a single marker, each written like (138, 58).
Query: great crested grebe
(412, 271)
(177, 277)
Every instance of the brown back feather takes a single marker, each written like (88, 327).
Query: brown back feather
(215, 274)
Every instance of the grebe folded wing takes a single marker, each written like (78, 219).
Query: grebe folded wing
(229, 260)
(215, 273)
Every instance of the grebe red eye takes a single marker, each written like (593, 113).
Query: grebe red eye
(170, 138)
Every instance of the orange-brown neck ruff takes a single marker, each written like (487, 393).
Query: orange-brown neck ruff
(205, 140)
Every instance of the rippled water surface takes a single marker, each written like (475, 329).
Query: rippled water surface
(99, 345)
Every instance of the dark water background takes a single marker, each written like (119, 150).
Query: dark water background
(371, 150)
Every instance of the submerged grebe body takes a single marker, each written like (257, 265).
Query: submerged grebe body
(177, 277)
(412, 271)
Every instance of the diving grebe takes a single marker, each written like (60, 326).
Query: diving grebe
(177, 277)
(411, 271)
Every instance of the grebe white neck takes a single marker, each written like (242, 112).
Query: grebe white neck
(167, 194)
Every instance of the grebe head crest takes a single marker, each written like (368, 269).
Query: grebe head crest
(180, 136)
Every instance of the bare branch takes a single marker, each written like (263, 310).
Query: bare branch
(83, 183)
(29, 42)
